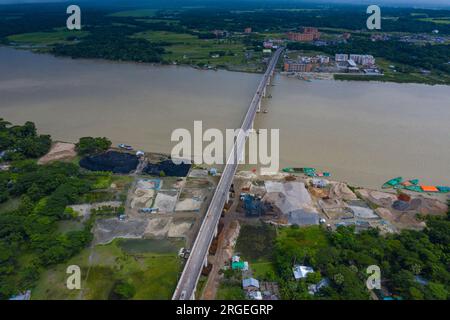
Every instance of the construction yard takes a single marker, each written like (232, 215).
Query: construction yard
(151, 217)
(140, 223)
(283, 200)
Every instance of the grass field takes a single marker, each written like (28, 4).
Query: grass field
(312, 237)
(230, 292)
(443, 20)
(263, 270)
(255, 243)
(189, 49)
(47, 38)
(153, 274)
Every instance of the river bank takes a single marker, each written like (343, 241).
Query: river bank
(340, 126)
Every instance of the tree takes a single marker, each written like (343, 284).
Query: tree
(90, 145)
(436, 291)
(123, 290)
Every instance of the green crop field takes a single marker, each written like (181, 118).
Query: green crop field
(47, 38)
(185, 48)
(152, 274)
(444, 20)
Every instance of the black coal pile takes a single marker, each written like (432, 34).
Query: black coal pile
(113, 161)
(169, 168)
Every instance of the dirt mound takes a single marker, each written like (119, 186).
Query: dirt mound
(59, 151)
(106, 230)
(157, 228)
(342, 191)
(319, 193)
(381, 199)
(113, 161)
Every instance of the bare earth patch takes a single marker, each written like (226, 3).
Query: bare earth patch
(59, 151)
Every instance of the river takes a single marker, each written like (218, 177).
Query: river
(364, 133)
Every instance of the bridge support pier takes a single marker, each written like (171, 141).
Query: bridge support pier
(188, 280)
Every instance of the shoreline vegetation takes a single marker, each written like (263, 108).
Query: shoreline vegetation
(213, 38)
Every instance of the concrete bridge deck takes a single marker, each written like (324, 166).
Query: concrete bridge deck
(199, 253)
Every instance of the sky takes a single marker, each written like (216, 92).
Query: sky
(379, 2)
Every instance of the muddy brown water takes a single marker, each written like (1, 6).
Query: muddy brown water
(364, 133)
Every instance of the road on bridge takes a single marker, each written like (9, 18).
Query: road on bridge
(192, 270)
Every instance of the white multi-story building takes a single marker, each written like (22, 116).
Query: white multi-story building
(363, 59)
(340, 57)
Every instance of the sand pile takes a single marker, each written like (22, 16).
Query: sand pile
(190, 204)
(157, 228)
(142, 197)
(165, 202)
(59, 151)
(382, 199)
(342, 191)
(319, 192)
(179, 229)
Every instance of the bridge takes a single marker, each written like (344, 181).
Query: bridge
(208, 230)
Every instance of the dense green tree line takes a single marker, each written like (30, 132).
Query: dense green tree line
(31, 229)
(344, 256)
(340, 17)
(20, 142)
(90, 145)
(29, 237)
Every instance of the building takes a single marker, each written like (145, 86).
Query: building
(22, 296)
(294, 66)
(372, 72)
(309, 34)
(239, 265)
(255, 295)
(300, 272)
(340, 57)
(277, 41)
(363, 59)
(319, 183)
(268, 44)
(351, 63)
(220, 33)
(346, 36)
(301, 37)
(250, 284)
(140, 153)
(314, 288)
(248, 30)
(324, 59)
